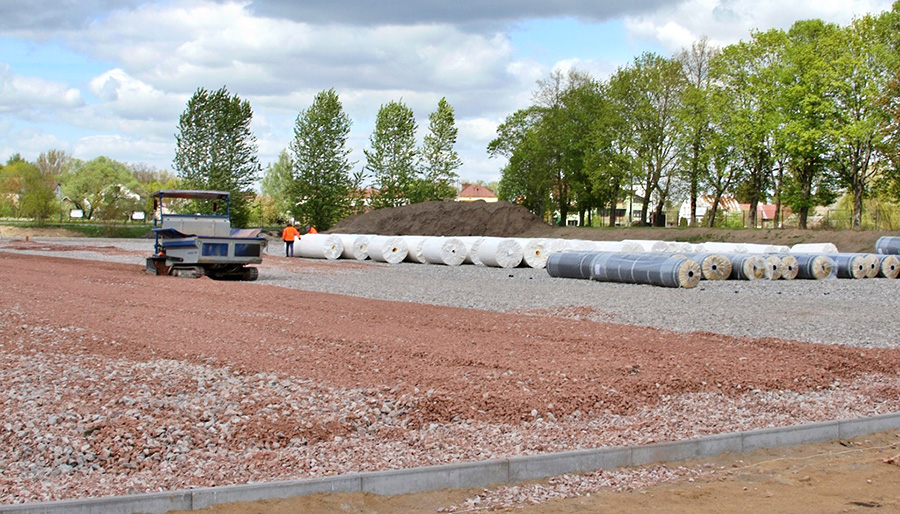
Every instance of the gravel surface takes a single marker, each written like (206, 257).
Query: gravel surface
(845, 312)
(119, 382)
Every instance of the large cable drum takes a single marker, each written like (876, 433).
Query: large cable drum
(571, 264)
(652, 269)
(319, 246)
(746, 266)
(888, 245)
(355, 246)
(444, 250)
(811, 266)
(499, 252)
(390, 249)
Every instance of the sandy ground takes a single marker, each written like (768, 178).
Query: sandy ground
(430, 361)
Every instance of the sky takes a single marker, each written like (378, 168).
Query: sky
(111, 77)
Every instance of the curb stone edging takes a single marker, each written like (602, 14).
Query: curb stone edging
(472, 474)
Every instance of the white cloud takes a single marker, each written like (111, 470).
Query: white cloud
(31, 96)
(729, 21)
(130, 98)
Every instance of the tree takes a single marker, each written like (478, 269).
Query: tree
(391, 159)
(746, 73)
(861, 75)
(216, 149)
(276, 185)
(609, 161)
(98, 186)
(321, 169)
(54, 163)
(648, 93)
(439, 161)
(694, 117)
(526, 179)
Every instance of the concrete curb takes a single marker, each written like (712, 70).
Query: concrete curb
(474, 474)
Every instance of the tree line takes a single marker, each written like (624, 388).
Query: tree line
(312, 181)
(797, 117)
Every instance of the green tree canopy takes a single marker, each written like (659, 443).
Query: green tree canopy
(321, 168)
(439, 160)
(215, 148)
(391, 158)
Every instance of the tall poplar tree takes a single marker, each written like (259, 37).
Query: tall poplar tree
(439, 161)
(391, 160)
(321, 180)
(216, 150)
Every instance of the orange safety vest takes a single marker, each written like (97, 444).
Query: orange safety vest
(289, 233)
(312, 230)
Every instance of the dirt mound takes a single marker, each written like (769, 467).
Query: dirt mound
(501, 219)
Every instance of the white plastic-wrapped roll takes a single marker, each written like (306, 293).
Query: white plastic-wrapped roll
(534, 252)
(499, 252)
(767, 249)
(617, 247)
(727, 248)
(649, 245)
(773, 267)
(319, 246)
(472, 244)
(789, 267)
(390, 249)
(890, 266)
(444, 250)
(468, 241)
(677, 247)
(414, 245)
(814, 248)
(355, 246)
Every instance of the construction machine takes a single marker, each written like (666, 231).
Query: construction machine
(194, 245)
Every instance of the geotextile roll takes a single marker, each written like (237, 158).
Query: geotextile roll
(788, 267)
(651, 269)
(472, 245)
(355, 246)
(713, 266)
(813, 248)
(873, 263)
(726, 248)
(319, 246)
(745, 266)
(534, 252)
(414, 245)
(773, 267)
(498, 252)
(766, 248)
(812, 266)
(890, 266)
(449, 251)
(888, 245)
(571, 264)
(390, 249)
(851, 265)
(649, 245)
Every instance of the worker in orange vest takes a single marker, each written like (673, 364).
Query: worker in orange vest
(312, 230)
(288, 234)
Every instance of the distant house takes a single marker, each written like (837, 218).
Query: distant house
(727, 204)
(474, 192)
(765, 214)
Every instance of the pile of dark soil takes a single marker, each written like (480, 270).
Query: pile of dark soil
(501, 219)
